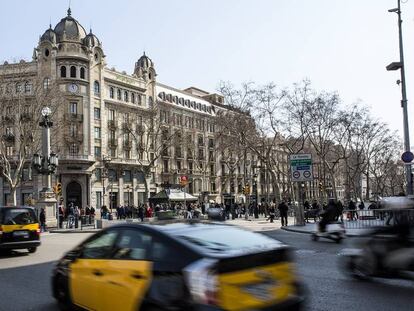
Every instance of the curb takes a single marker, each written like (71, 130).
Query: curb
(74, 231)
(351, 235)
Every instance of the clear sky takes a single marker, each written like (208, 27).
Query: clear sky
(340, 45)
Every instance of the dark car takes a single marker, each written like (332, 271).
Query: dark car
(178, 266)
(216, 213)
(19, 229)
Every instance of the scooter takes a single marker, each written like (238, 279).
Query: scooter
(335, 231)
(381, 255)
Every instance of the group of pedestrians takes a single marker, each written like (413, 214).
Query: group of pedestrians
(72, 214)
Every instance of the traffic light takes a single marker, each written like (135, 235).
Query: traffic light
(246, 190)
(59, 188)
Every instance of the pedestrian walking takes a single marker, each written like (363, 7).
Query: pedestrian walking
(283, 210)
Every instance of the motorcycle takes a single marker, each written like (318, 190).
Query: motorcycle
(334, 231)
(384, 253)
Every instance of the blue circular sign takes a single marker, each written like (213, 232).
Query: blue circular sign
(407, 157)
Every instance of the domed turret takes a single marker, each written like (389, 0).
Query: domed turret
(144, 62)
(144, 68)
(49, 35)
(91, 40)
(69, 28)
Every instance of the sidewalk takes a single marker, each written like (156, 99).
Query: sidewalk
(311, 227)
(252, 224)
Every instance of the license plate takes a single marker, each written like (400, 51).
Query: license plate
(21, 234)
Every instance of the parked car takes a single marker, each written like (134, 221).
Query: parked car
(19, 229)
(193, 265)
(216, 213)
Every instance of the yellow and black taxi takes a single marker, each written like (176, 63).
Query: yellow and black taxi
(178, 266)
(19, 229)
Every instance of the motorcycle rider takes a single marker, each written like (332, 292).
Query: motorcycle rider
(328, 215)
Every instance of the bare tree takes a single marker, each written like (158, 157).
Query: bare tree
(153, 136)
(23, 94)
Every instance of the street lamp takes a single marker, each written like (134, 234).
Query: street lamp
(105, 160)
(396, 66)
(46, 164)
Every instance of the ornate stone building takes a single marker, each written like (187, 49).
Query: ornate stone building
(107, 115)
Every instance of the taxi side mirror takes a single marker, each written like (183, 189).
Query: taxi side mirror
(73, 255)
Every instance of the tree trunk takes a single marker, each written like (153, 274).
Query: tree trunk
(368, 185)
(13, 195)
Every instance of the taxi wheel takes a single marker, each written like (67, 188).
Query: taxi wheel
(32, 249)
(61, 293)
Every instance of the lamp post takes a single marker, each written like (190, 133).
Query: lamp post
(105, 160)
(396, 66)
(46, 164)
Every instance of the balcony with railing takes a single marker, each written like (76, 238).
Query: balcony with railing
(74, 117)
(26, 117)
(10, 138)
(112, 142)
(127, 144)
(73, 137)
(8, 119)
(112, 124)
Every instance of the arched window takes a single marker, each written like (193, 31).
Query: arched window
(46, 83)
(96, 87)
(73, 72)
(133, 98)
(126, 97)
(63, 72)
(82, 73)
(111, 92)
(118, 94)
(27, 87)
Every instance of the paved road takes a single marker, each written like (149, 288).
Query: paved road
(329, 289)
(25, 280)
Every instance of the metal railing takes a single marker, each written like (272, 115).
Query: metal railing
(361, 219)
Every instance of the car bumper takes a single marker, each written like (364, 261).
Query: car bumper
(19, 245)
(293, 304)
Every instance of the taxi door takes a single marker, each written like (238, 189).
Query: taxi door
(87, 279)
(128, 273)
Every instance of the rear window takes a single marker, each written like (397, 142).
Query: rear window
(223, 238)
(17, 216)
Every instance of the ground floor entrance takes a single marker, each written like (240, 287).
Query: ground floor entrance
(74, 194)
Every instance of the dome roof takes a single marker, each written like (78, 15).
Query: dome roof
(144, 62)
(49, 35)
(70, 27)
(91, 40)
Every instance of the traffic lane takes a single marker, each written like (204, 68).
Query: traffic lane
(27, 288)
(25, 278)
(53, 246)
(330, 289)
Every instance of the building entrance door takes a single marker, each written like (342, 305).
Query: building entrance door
(113, 199)
(74, 194)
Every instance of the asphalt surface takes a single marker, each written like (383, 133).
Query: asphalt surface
(25, 279)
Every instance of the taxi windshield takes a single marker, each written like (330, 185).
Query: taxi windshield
(18, 216)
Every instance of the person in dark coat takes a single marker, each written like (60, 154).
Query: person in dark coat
(42, 219)
(352, 209)
(283, 210)
(141, 213)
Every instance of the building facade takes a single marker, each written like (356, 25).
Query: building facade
(121, 137)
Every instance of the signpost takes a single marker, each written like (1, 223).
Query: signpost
(301, 167)
(301, 171)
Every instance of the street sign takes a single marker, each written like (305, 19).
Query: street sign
(301, 167)
(407, 157)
